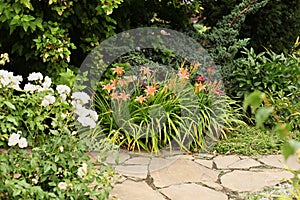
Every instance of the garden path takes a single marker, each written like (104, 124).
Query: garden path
(179, 176)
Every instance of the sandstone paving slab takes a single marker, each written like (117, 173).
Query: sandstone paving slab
(183, 171)
(136, 171)
(212, 185)
(223, 162)
(204, 156)
(160, 163)
(244, 164)
(137, 161)
(131, 190)
(279, 162)
(205, 163)
(192, 191)
(186, 157)
(254, 180)
(122, 157)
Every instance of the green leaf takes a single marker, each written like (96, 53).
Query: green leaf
(287, 150)
(254, 100)
(27, 4)
(13, 120)
(262, 115)
(54, 132)
(10, 105)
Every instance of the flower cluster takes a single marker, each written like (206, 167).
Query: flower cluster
(7, 79)
(122, 81)
(15, 139)
(86, 117)
(63, 91)
(4, 58)
(42, 84)
(147, 81)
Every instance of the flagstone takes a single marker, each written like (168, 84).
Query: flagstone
(137, 171)
(134, 191)
(212, 185)
(244, 164)
(224, 161)
(253, 181)
(138, 161)
(122, 157)
(279, 162)
(183, 171)
(205, 163)
(160, 163)
(204, 156)
(192, 191)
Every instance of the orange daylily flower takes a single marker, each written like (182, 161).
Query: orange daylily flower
(118, 70)
(124, 96)
(140, 99)
(183, 73)
(199, 87)
(109, 87)
(114, 95)
(150, 90)
(114, 82)
(146, 70)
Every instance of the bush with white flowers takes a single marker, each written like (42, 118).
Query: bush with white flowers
(46, 158)
(38, 109)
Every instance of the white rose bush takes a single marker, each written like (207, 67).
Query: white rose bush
(45, 157)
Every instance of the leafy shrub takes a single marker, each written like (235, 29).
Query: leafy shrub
(56, 169)
(277, 75)
(266, 71)
(43, 34)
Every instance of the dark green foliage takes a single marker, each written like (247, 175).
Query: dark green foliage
(265, 72)
(168, 13)
(222, 41)
(274, 26)
(41, 35)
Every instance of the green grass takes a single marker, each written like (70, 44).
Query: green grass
(252, 141)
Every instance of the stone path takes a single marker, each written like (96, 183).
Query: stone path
(178, 176)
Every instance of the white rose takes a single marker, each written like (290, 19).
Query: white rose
(35, 76)
(86, 121)
(81, 172)
(23, 143)
(81, 111)
(13, 139)
(30, 88)
(82, 96)
(93, 115)
(34, 181)
(63, 89)
(62, 185)
(47, 82)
